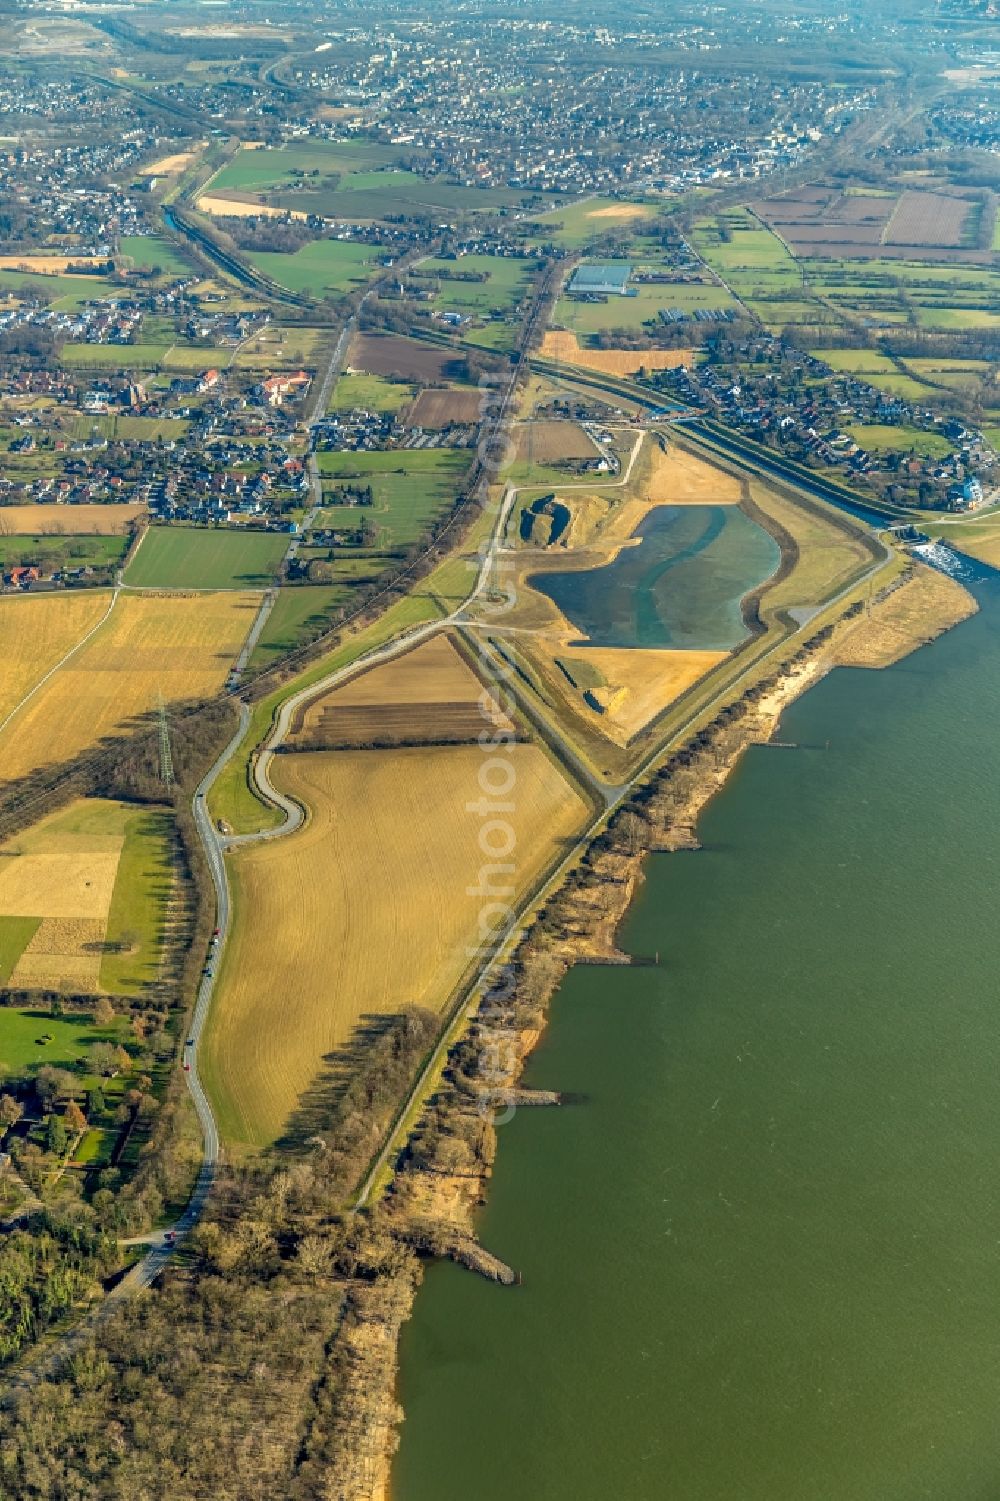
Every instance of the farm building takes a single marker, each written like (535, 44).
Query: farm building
(603, 279)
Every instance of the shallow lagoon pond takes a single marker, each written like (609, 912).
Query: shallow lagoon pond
(681, 586)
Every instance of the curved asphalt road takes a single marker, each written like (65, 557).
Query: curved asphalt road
(164, 1242)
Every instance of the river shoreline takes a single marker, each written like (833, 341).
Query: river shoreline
(434, 1199)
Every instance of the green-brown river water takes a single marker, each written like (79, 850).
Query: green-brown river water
(761, 1254)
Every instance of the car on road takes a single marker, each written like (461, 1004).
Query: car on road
(187, 1067)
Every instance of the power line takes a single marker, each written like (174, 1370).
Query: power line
(166, 759)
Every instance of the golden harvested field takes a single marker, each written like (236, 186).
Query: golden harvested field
(68, 521)
(549, 441)
(225, 207)
(434, 672)
(927, 603)
(680, 478)
(180, 646)
(48, 265)
(674, 477)
(427, 695)
(36, 632)
(640, 684)
(63, 955)
(363, 911)
(72, 891)
(832, 551)
(561, 344)
(60, 884)
(168, 164)
(979, 538)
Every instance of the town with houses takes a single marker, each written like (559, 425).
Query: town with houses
(402, 405)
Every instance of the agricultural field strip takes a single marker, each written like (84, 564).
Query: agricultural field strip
(147, 644)
(79, 874)
(147, 1270)
(52, 670)
(377, 820)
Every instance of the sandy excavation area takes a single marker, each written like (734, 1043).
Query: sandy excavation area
(243, 208)
(48, 265)
(562, 344)
(621, 212)
(166, 166)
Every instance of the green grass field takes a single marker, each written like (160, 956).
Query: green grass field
(96, 1146)
(374, 195)
(231, 798)
(956, 375)
(507, 280)
(372, 392)
(185, 358)
(750, 249)
(24, 1051)
(146, 252)
(735, 241)
(298, 613)
(143, 888)
(901, 385)
(192, 557)
(141, 429)
(855, 361)
(411, 486)
(780, 312)
(15, 935)
(883, 439)
(632, 312)
(324, 267)
(50, 552)
(116, 356)
(278, 348)
(575, 224)
(951, 319)
(351, 181)
(65, 292)
(254, 170)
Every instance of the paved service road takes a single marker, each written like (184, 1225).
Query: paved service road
(163, 1244)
